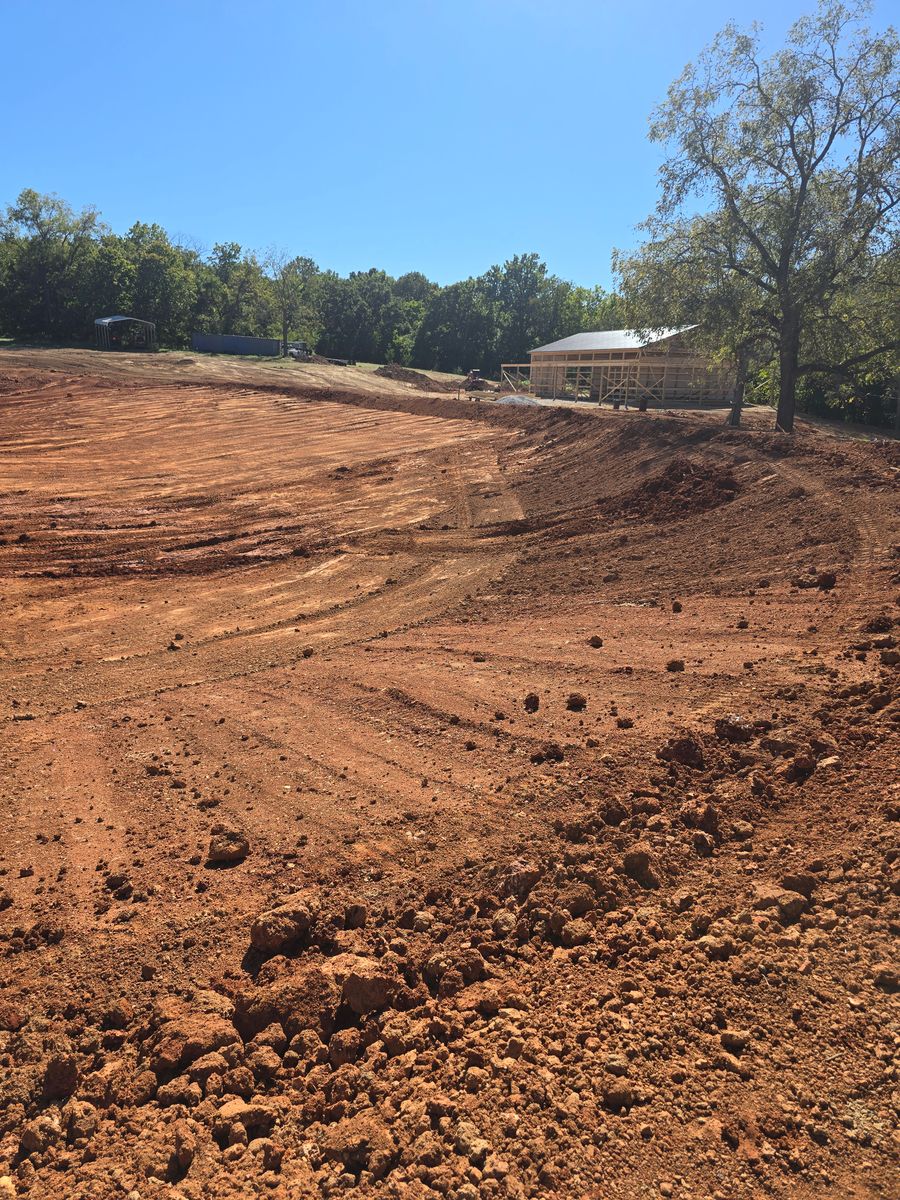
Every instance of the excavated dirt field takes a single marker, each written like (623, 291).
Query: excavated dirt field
(408, 798)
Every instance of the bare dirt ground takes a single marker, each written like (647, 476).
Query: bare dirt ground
(410, 798)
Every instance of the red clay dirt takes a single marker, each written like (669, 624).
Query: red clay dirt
(364, 837)
(423, 383)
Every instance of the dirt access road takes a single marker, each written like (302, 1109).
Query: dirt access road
(411, 798)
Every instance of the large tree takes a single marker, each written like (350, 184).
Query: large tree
(290, 278)
(680, 280)
(796, 160)
(48, 253)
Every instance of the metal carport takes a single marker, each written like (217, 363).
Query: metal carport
(106, 327)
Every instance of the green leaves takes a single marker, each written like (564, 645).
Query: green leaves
(796, 157)
(59, 270)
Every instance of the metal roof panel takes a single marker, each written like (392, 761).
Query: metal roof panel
(611, 339)
(109, 320)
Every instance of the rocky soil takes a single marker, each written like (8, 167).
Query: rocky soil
(411, 799)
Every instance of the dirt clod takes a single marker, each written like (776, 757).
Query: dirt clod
(227, 845)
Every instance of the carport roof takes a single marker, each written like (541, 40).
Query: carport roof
(109, 320)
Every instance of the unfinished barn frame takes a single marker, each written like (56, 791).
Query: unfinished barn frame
(125, 333)
(623, 366)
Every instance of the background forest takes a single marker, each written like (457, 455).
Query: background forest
(59, 269)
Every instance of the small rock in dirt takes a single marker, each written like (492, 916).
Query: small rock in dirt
(243, 1118)
(11, 1016)
(80, 1120)
(735, 1041)
(886, 977)
(734, 728)
(184, 1146)
(470, 1144)
(361, 1143)
(675, 664)
(686, 750)
(521, 876)
(700, 814)
(637, 863)
(41, 1133)
(833, 762)
(281, 927)
(799, 881)
(180, 1090)
(532, 702)
(618, 1097)
(227, 845)
(575, 933)
(368, 987)
(578, 899)
(789, 904)
(551, 752)
(356, 916)
(704, 844)
(504, 923)
(264, 1063)
(60, 1076)
(677, 606)
(595, 641)
(268, 1153)
(576, 702)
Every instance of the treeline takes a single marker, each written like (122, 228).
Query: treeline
(60, 269)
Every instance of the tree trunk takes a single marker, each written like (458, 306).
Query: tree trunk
(737, 405)
(740, 386)
(788, 359)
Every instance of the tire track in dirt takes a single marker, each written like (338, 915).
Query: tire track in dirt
(396, 769)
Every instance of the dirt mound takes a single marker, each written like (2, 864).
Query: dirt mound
(679, 490)
(16, 383)
(404, 375)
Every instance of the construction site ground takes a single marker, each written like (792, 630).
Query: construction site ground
(415, 797)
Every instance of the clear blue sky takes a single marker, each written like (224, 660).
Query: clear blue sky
(432, 135)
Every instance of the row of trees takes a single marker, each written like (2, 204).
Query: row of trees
(59, 269)
(777, 233)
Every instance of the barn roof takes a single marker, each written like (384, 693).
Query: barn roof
(612, 339)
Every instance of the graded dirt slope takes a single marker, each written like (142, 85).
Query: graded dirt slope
(188, 366)
(410, 798)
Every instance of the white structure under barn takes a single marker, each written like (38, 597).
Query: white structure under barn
(623, 366)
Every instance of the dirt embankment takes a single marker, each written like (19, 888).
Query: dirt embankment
(411, 798)
(404, 375)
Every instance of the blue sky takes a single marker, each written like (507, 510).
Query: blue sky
(433, 135)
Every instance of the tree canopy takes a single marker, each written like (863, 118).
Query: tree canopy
(60, 269)
(795, 161)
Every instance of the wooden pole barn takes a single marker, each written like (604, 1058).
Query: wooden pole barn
(623, 366)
